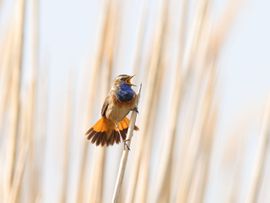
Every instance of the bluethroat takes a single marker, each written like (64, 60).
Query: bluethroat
(113, 125)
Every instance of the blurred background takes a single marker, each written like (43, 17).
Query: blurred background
(204, 109)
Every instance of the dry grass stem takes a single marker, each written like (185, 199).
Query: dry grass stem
(96, 186)
(67, 142)
(263, 147)
(166, 161)
(139, 177)
(15, 93)
(5, 75)
(17, 184)
(123, 162)
(93, 88)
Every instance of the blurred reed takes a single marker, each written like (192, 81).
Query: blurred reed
(260, 163)
(95, 79)
(14, 129)
(180, 94)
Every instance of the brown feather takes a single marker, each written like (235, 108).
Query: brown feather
(104, 139)
(94, 138)
(89, 131)
(90, 134)
(117, 137)
(110, 140)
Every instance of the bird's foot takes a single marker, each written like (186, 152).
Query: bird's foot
(126, 144)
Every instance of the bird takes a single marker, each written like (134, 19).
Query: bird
(113, 125)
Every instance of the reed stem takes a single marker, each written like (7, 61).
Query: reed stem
(123, 162)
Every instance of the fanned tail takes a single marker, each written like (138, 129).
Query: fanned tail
(104, 132)
(123, 127)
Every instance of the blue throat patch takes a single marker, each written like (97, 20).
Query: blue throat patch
(125, 93)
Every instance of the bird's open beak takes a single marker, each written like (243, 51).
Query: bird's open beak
(129, 80)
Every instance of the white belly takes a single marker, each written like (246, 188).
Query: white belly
(116, 113)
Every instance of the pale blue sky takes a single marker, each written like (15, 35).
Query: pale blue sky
(68, 31)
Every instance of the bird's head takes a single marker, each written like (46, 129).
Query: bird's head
(123, 79)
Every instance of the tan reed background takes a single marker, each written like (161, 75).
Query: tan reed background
(173, 156)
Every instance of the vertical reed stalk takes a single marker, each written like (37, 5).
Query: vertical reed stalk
(5, 74)
(125, 153)
(32, 100)
(99, 162)
(17, 184)
(166, 161)
(93, 89)
(15, 94)
(69, 109)
(139, 175)
(259, 165)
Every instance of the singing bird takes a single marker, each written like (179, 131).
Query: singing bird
(113, 125)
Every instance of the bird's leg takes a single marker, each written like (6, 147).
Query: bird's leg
(126, 144)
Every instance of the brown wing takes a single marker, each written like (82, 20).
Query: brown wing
(104, 107)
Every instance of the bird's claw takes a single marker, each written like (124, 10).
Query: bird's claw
(135, 109)
(126, 146)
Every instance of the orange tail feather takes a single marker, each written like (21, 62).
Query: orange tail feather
(104, 132)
